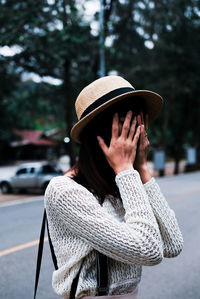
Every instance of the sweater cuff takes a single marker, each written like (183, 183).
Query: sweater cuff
(149, 184)
(126, 173)
(154, 193)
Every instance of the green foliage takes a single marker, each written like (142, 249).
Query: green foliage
(176, 62)
(30, 102)
(56, 41)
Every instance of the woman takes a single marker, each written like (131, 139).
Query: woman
(108, 201)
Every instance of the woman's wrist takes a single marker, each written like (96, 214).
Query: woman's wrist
(144, 173)
(119, 169)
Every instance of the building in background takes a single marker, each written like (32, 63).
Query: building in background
(32, 145)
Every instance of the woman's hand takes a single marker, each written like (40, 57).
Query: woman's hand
(143, 144)
(121, 152)
(142, 151)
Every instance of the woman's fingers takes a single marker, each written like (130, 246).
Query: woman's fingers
(137, 135)
(126, 124)
(143, 121)
(132, 129)
(102, 145)
(142, 134)
(143, 137)
(115, 126)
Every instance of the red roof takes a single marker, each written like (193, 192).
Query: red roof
(32, 137)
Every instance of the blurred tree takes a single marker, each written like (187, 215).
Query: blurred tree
(30, 104)
(173, 28)
(130, 56)
(8, 82)
(154, 44)
(55, 41)
(127, 53)
(157, 44)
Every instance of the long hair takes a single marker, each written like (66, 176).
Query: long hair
(92, 169)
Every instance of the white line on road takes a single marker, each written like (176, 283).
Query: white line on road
(182, 196)
(36, 242)
(21, 247)
(21, 201)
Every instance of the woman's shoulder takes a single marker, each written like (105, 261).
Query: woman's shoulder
(64, 191)
(61, 188)
(65, 184)
(64, 180)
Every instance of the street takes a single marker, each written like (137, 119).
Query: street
(176, 278)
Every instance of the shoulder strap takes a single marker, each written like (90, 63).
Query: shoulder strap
(51, 248)
(102, 273)
(39, 256)
(74, 285)
(101, 264)
(40, 252)
(39, 259)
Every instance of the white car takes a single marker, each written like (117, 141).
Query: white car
(30, 177)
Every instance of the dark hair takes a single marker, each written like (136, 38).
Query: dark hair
(92, 169)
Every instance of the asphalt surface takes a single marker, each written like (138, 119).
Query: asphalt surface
(20, 224)
(176, 278)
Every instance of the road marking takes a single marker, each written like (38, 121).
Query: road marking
(181, 196)
(21, 247)
(36, 242)
(21, 201)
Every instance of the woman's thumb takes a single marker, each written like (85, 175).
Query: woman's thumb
(102, 144)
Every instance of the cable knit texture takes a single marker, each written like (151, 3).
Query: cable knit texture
(166, 220)
(136, 230)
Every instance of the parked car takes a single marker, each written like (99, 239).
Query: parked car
(30, 177)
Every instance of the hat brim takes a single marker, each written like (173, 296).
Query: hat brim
(153, 103)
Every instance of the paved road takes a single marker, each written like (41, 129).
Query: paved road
(176, 278)
(20, 224)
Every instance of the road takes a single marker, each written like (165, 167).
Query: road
(176, 278)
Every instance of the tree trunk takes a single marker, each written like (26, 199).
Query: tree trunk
(69, 107)
(67, 88)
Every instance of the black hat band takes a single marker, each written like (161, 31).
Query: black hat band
(105, 98)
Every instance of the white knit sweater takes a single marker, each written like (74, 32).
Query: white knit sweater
(139, 230)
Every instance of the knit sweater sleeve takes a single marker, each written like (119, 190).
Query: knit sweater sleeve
(165, 216)
(135, 241)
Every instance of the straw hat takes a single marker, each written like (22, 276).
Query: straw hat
(104, 92)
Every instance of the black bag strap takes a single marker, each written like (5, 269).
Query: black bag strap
(101, 264)
(102, 273)
(40, 251)
(51, 247)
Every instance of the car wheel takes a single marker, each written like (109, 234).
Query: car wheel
(5, 188)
